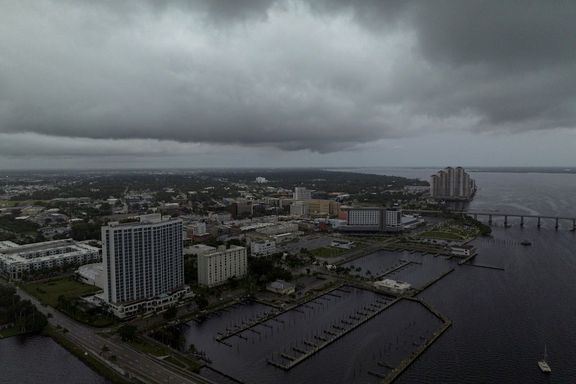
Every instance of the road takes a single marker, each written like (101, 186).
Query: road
(134, 363)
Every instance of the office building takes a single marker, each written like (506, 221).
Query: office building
(321, 207)
(241, 208)
(299, 209)
(301, 193)
(17, 261)
(143, 265)
(216, 267)
(452, 184)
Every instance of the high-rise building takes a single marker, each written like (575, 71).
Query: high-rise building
(216, 267)
(301, 193)
(452, 184)
(299, 209)
(143, 264)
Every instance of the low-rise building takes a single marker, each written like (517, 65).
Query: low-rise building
(262, 248)
(278, 228)
(92, 274)
(393, 286)
(344, 244)
(461, 250)
(216, 267)
(281, 287)
(16, 261)
(285, 237)
(196, 229)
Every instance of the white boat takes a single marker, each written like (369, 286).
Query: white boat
(543, 364)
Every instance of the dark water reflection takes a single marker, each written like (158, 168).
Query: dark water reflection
(389, 337)
(39, 360)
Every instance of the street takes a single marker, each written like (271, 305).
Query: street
(133, 363)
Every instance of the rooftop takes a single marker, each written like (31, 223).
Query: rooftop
(141, 220)
(45, 251)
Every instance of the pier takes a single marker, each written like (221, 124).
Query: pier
(333, 333)
(245, 326)
(434, 281)
(237, 330)
(403, 264)
(404, 364)
(485, 266)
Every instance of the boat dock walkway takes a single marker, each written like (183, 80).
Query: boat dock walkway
(404, 364)
(434, 281)
(485, 266)
(328, 336)
(403, 264)
(236, 330)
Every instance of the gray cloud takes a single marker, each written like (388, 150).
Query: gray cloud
(319, 75)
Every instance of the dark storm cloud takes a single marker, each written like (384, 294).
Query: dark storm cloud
(320, 75)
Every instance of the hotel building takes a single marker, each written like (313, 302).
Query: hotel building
(373, 220)
(215, 268)
(143, 265)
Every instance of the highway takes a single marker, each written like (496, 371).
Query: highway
(129, 361)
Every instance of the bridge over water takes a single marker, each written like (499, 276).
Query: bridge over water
(492, 215)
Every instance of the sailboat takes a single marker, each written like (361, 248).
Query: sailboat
(543, 364)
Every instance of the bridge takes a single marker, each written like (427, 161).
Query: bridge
(506, 216)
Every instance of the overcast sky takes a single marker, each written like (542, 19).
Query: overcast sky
(191, 83)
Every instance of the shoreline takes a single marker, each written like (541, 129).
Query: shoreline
(91, 362)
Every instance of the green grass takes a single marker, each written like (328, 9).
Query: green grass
(49, 291)
(327, 252)
(176, 362)
(450, 231)
(442, 235)
(9, 332)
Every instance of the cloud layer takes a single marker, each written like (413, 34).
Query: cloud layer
(319, 75)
